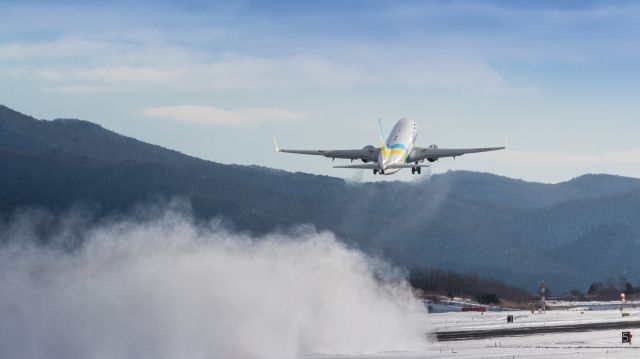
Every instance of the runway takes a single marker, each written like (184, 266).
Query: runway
(453, 335)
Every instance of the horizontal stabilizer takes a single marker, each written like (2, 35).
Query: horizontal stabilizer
(362, 166)
(405, 165)
(376, 166)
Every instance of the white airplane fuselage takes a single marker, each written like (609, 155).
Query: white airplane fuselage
(398, 146)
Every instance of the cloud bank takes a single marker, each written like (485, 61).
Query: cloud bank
(210, 115)
(168, 288)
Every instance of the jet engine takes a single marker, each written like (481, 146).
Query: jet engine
(432, 159)
(371, 150)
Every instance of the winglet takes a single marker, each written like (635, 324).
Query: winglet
(276, 143)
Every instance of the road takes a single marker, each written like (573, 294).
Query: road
(528, 330)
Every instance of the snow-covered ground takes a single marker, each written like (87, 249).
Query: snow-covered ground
(592, 305)
(593, 344)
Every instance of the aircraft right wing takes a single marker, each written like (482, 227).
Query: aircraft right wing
(421, 153)
(368, 153)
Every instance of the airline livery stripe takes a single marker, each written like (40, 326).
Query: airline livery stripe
(397, 145)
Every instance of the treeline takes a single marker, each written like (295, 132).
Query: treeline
(607, 290)
(451, 284)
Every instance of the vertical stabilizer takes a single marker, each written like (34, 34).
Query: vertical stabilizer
(384, 151)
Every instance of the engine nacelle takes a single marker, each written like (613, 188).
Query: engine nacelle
(432, 159)
(371, 150)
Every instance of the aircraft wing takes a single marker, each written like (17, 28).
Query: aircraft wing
(368, 154)
(421, 153)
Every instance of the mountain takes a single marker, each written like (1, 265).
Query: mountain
(568, 234)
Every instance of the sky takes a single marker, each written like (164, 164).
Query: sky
(218, 80)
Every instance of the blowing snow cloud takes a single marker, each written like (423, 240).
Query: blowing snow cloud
(168, 288)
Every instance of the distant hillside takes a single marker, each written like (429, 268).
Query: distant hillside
(434, 282)
(569, 234)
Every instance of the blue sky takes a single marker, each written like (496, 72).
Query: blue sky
(218, 79)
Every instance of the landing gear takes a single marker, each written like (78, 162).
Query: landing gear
(415, 170)
(376, 171)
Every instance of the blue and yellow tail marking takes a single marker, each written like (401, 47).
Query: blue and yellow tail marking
(383, 145)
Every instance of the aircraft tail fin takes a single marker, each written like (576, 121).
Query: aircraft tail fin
(384, 151)
(383, 143)
(276, 144)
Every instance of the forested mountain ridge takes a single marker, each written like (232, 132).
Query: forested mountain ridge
(569, 234)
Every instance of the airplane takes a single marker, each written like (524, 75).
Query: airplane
(394, 154)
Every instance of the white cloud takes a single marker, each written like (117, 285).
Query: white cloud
(452, 73)
(143, 61)
(79, 89)
(141, 57)
(59, 49)
(261, 73)
(210, 115)
(228, 73)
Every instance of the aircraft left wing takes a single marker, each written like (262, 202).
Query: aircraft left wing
(433, 153)
(368, 153)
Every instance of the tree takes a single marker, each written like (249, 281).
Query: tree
(489, 298)
(595, 288)
(576, 294)
(628, 289)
